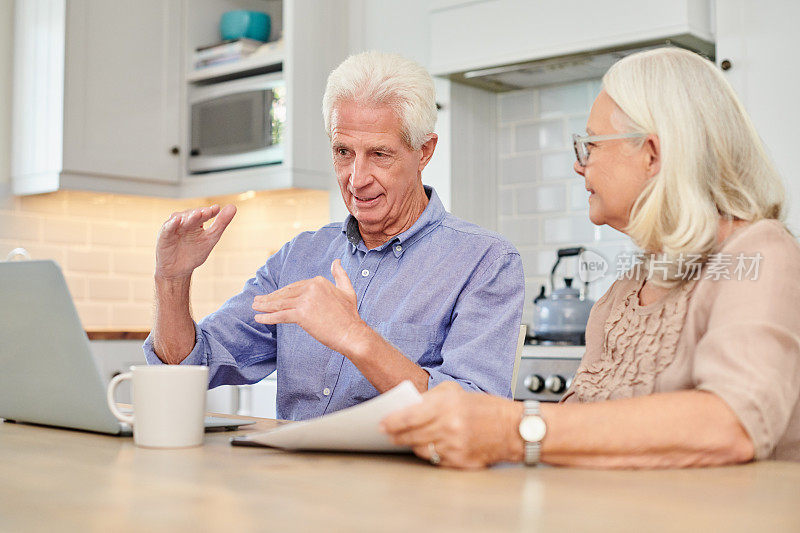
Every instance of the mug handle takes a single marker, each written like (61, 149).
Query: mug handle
(112, 385)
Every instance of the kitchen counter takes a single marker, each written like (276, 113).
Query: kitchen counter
(117, 335)
(71, 480)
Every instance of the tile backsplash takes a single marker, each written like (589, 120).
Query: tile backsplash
(105, 244)
(542, 202)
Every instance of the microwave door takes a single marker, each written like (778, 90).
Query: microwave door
(232, 124)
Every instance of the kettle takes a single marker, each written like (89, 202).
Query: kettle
(562, 316)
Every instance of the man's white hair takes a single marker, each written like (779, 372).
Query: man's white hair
(712, 160)
(379, 79)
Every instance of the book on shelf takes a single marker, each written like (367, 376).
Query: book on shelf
(230, 51)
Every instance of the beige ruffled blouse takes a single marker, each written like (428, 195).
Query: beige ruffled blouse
(734, 331)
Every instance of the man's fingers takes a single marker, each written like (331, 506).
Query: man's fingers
(340, 277)
(223, 218)
(273, 305)
(279, 317)
(293, 290)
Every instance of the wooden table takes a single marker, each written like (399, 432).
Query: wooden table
(61, 480)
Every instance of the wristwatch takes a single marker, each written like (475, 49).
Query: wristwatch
(532, 429)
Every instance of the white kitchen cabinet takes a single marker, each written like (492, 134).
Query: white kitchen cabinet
(100, 94)
(758, 40)
(122, 90)
(474, 34)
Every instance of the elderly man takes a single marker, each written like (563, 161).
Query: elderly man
(402, 290)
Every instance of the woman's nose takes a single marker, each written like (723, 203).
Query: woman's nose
(578, 168)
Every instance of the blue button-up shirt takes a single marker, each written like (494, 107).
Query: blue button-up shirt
(446, 293)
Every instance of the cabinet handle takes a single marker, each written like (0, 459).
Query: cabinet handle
(725, 64)
(175, 150)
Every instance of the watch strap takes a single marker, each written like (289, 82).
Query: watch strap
(533, 449)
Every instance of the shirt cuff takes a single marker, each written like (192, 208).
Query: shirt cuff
(437, 378)
(196, 357)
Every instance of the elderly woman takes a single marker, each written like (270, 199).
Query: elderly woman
(693, 357)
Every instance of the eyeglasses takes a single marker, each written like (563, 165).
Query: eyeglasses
(579, 143)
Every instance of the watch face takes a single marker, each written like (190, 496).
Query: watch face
(532, 428)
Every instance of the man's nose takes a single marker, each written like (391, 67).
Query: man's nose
(578, 168)
(361, 175)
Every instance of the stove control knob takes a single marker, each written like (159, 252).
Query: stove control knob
(534, 383)
(555, 384)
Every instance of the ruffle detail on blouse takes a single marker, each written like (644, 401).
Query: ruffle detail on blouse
(637, 347)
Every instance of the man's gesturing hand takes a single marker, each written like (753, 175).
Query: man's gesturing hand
(328, 313)
(183, 244)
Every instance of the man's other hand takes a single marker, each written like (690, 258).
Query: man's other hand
(328, 312)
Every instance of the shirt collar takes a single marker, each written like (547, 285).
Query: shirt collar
(430, 218)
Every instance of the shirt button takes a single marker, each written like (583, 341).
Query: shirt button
(326, 391)
(365, 272)
(398, 248)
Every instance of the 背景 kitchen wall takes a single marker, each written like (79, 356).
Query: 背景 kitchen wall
(105, 243)
(542, 202)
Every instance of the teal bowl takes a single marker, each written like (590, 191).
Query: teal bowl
(245, 24)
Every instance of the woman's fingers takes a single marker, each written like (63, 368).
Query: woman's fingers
(411, 417)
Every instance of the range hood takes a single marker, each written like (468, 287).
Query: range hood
(567, 68)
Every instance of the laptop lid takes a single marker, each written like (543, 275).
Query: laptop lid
(47, 372)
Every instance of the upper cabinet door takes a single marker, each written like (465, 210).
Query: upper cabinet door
(122, 93)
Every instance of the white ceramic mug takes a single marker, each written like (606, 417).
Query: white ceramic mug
(169, 404)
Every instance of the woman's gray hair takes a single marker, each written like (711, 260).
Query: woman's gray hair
(379, 79)
(713, 163)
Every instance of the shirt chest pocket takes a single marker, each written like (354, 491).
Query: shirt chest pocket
(415, 341)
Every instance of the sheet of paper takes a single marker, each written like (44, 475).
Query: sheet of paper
(352, 429)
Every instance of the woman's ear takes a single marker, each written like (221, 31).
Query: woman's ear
(652, 155)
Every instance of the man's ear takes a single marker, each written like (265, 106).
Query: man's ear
(428, 148)
(652, 154)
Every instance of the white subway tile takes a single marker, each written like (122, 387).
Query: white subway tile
(539, 135)
(76, 285)
(568, 230)
(131, 315)
(19, 227)
(520, 231)
(145, 236)
(551, 135)
(579, 197)
(88, 260)
(607, 233)
(519, 169)
(125, 262)
(558, 165)
(505, 202)
(577, 125)
(517, 105)
(526, 137)
(117, 289)
(94, 315)
(111, 233)
(558, 100)
(142, 290)
(545, 262)
(551, 198)
(65, 230)
(44, 204)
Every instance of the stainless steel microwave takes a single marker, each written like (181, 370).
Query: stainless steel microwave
(237, 124)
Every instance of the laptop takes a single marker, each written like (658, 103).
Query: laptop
(48, 375)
